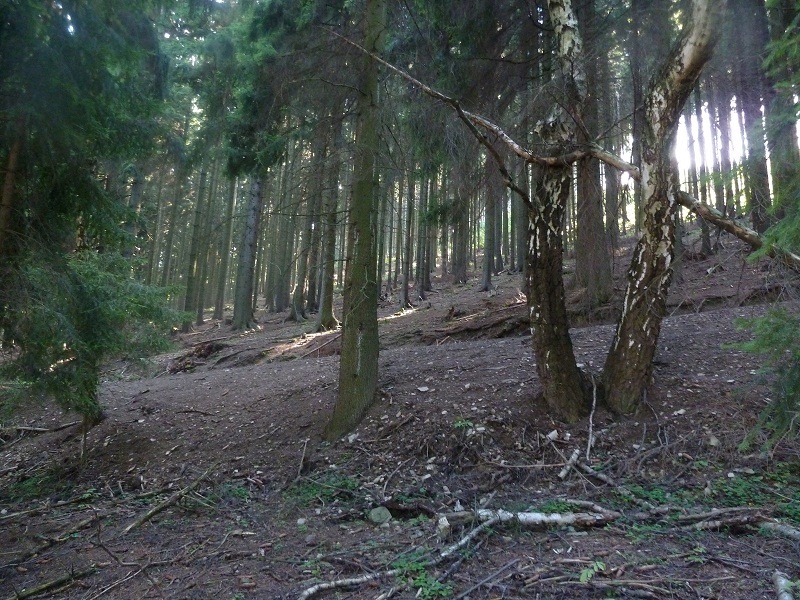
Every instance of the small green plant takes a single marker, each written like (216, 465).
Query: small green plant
(463, 424)
(654, 494)
(697, 555)
(325, 489)
(421, 519)
(639, 532)
(555, 506)
(593, 569)
(428, 587)
(413, 570)
(54, 483)
(232, 491)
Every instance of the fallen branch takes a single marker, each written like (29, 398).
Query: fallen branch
(58, 582)
(487, 579)
(25, 428)
(330, 341)
(351, 581)
(173, 499)
(49, 542)
(783, 586)
(782, 529)
(534, 519)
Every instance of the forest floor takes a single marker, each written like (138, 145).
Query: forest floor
(209, 477)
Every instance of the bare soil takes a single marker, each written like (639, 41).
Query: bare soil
(225, 435)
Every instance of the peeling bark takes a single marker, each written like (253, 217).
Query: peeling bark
(559, 376)
(629, 364)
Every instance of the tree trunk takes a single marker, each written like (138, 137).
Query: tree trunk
(493, 182)
(225, 252)
(243, 293)
(358, 367)
(629, 363)
(9, 186)
(189, 302)
(559, 376)
(592, 259)
(754, 92)
(405, 299)
(326, 320)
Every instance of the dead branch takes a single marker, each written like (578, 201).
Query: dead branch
(351, 581)
(173, 499)
(330, 341)
(487, 579)
(64, 536)
(534, 519)
(570, 463)
(782, 529)
(741, 231)
(55, 583)
(782, 585)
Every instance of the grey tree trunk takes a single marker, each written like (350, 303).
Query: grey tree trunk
(190, 301)
(225, 251)
(243, 293)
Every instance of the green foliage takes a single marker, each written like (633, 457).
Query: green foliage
(777, 336)
(555, 506)
(593, 569)
(325, 489)
(56, 482)
(64, 316)
(413, 569)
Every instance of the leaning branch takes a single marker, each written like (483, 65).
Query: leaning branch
(478, 124)
(744, 233)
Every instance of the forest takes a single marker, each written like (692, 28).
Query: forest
(399, 299)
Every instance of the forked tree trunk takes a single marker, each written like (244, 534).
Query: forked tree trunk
(629, 363)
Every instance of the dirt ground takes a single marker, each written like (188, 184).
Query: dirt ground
(209, 478)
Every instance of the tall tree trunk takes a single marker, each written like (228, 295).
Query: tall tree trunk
(9, 186)
(190, 301)
(158, 228)
(592, 259)
(421, 245)
(629, 363)
(702, 174)
(225, 251)
(754, 93)
(326, 320)
(358, 367)
(243, 293)
(174, 214)
(562, 382)
(493, 185)
(405, 299)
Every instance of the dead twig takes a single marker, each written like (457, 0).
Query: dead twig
(317, 349)
(351, 581)
(55, 583)
(173, 499)
(487, 579)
